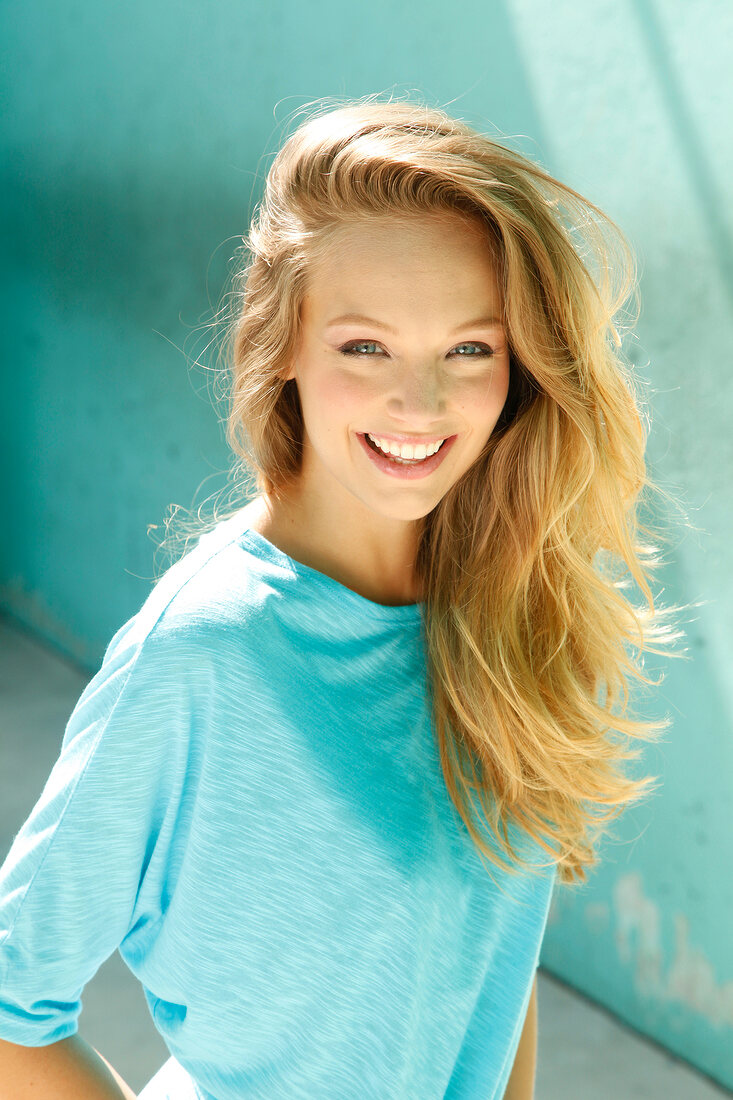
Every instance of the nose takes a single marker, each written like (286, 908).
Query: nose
(417, 398)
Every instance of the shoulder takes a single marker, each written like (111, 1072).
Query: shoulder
(202, 601)
(184, 649)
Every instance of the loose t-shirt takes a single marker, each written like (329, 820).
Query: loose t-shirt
(248, 803)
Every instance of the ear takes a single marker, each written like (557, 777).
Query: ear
(287, 373)
(290, 369)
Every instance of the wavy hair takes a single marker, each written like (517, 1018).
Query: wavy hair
(530, 639)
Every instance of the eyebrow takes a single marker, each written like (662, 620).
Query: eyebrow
(359, 318)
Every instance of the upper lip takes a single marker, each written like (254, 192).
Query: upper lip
(415, 439)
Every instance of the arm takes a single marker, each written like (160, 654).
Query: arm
(66, 1070)
(521, 1080)
(73, 884)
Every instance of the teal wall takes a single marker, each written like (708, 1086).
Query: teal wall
(132, 145)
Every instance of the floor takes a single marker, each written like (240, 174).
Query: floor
(584, 1053)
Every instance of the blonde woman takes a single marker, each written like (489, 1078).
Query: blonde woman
(326, 778)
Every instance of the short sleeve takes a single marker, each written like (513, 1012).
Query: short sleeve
(70, 886)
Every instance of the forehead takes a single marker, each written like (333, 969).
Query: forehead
(395, 231)
(441, 255)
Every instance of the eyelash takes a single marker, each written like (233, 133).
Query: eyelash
(348, 349)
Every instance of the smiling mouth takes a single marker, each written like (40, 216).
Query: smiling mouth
(397, 458)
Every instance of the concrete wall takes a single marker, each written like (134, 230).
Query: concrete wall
(132, 146)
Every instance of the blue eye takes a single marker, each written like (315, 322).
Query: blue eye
(350, 349)
(484, 349)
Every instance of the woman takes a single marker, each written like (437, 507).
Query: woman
(322, 786)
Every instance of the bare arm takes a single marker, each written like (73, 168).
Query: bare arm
(66, 1070)
(521, 1080)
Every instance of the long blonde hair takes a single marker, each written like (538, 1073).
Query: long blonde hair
(527, 628)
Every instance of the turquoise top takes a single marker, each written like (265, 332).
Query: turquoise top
(248, 803)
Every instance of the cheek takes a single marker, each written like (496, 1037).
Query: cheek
(483, 397)
(333, 398)
(346, 391)
(342, 394)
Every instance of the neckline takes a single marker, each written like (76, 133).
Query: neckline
(409, 612)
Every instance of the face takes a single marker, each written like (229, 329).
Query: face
(430, 364)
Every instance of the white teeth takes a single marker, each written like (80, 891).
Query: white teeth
(406, 450)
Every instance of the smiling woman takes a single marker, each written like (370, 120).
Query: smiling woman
(322, 787)
(388, 232)
(420, 276)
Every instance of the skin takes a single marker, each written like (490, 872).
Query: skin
(423, 276)
(520, 1085)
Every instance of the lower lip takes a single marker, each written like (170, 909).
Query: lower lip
(408, 472)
